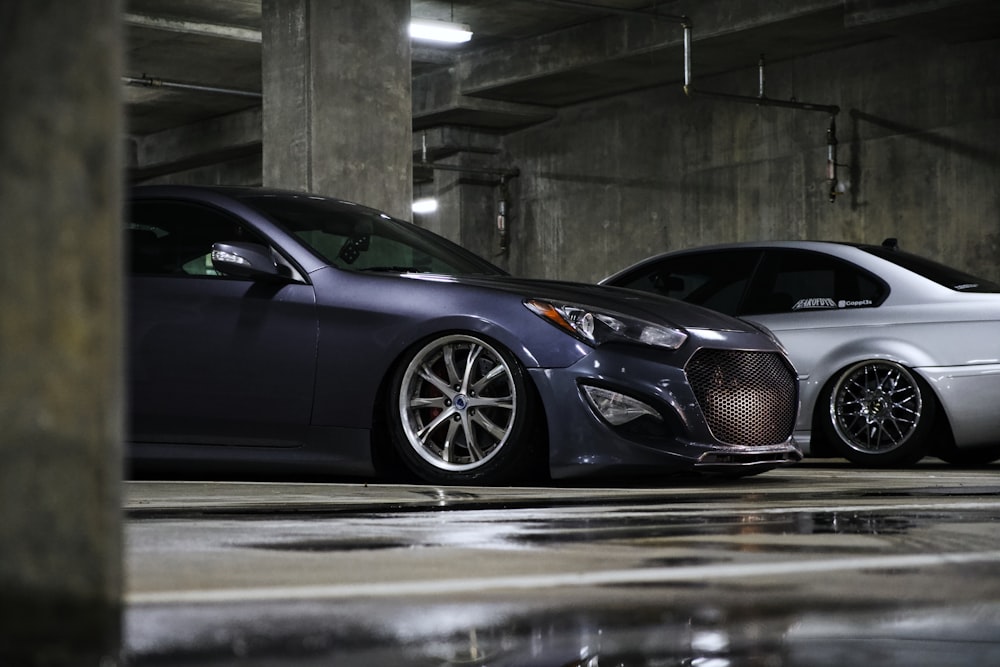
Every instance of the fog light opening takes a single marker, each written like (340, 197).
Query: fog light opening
(616, 408)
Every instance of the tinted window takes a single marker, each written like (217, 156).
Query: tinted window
(798, 280)
(716, 280)
(165, 237)
(939, 273)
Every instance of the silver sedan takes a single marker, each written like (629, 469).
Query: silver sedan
(898, 357)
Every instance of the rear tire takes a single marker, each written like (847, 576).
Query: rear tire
(460, 412)
(878, 414)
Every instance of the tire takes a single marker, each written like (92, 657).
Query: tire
(460, 412)
(878, 414)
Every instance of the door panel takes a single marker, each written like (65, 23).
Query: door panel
(219, 361)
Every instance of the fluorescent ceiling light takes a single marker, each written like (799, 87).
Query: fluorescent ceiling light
(440, 31)
(426, 205)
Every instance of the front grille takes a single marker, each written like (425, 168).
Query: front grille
(748, 398)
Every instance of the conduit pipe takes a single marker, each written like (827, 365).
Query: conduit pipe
(152, 82)
(603, 9)
(763, 100)
(504, 174)
(487, 171)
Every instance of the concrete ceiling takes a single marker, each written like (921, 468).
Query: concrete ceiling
(192, 60)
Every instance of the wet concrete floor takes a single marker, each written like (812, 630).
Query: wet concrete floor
(818, 564)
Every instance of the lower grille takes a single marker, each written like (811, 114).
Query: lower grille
(748, 398)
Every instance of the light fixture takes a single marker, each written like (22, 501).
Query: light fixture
(440, 31)
(425, 205)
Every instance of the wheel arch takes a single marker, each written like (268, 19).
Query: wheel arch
(838, 359)
(938, 426)
(384, 456)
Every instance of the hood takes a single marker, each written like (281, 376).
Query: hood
(625, 301)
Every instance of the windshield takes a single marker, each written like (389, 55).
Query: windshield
(356, 238)
(939, 273)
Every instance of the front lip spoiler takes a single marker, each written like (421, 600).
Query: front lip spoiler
(746, 458)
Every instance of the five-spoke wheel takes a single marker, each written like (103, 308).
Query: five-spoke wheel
(879, 414)
(460, 412)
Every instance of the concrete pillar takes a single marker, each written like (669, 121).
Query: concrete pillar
(337, 102)
(60, 333)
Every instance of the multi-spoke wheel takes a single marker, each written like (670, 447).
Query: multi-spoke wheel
(879, 414)
(460, 412)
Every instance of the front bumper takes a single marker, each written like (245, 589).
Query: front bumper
(583, 443)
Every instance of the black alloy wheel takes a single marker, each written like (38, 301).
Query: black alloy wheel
(879, 414)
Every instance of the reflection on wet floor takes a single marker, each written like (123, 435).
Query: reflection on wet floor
(681, 632)
(883, 569)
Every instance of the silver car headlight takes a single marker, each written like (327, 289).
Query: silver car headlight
(601, 326)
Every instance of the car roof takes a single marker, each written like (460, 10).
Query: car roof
(210, 192)
(907, 286)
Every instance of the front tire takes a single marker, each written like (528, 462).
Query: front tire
(878, 414)
(460, 412)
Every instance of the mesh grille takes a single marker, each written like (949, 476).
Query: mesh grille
(748, 398)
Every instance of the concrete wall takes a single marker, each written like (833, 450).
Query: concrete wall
(608, 183)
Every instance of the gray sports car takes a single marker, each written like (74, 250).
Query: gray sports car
(288, 331)
(898, 356)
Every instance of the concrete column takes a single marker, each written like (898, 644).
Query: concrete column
(60, 332)
(337, 102)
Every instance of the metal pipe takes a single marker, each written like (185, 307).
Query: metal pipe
(152, 82)
(489, 171)
(503, 173)
(586, 6)
(760, 77)
(687, 59)
(763, 100)
(760, 100)
(831, 158)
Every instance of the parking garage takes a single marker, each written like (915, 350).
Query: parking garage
(564, 140)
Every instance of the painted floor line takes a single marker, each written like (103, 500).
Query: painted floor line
(569, 579)
(723, 510)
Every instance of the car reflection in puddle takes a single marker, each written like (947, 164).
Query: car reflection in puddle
(766, 633)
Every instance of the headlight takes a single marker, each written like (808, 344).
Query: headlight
(596, 327)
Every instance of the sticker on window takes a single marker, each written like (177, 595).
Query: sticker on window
(806, 304)
(824, 303)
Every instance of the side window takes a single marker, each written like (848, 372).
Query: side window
(801, 280)
(175, 238)
(715, 279)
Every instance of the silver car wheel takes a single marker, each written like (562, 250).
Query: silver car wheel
(876, 407)
(458, 403)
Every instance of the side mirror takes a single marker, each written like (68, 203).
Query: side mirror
(245, 260)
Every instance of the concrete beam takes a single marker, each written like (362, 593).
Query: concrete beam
(438, 101)
(595, 43)
(197, 145)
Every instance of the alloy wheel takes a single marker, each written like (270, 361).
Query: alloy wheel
(458, 403)
(876, 407)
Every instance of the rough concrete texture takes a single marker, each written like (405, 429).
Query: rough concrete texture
(608, 183)
(319, 79)
(605, 183)
(60, 338)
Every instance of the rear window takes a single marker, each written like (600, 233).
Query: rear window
(939, 273)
